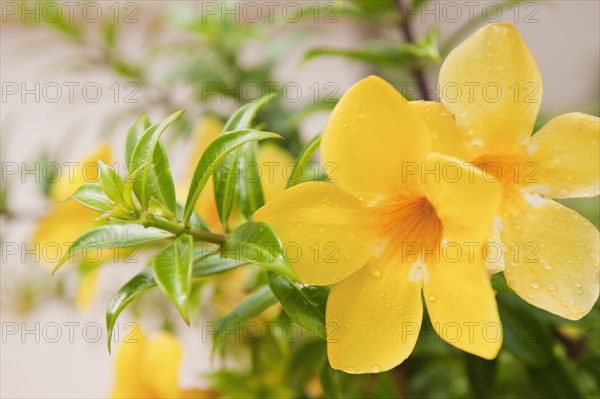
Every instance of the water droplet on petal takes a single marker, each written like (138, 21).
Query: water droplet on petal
(431, 297)
(375, 368)
(571, 301)
(375, 271)
(551, 287)
(577, 283)
(535, 285)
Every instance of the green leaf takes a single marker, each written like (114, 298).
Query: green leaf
(203, 266)
(249, 192)
(243, 117)
(134, 134)
(255, 304)
(172, 268)
(111, 183)
(113, 236)
(208, 264)
(375, 53)
(482, 375)
(92, 196)
(305, 304)
(155, 180)
(303, 160)
(256, 242)
(142, 282)
(213, 156)
(527, 337)
(226, 176)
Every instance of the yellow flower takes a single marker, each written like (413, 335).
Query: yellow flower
(68, 219)
(551, 253)
(150, 368)
(388, 229)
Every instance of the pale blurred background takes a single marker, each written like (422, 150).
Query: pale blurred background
(565, 41)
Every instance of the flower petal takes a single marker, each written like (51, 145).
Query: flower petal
(371, 134)
(464, 201)
(129, 380)
(566, 154)
(446, 136)
(161, 365)
(552, 258)
(67, 221)
(494, 88)
(85, 171)
(461, 302)
(328, 234)
(273, 161)
(373, 318)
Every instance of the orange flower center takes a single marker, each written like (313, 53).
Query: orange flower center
(411, 226)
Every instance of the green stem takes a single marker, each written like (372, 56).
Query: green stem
(179, 229)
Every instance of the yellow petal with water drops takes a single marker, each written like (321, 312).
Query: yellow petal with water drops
(370, 138)
(327, 233)
(464, 200)
(73, 175)
(129, 378)
(374, 317)
(161, 365)
(566, 157)
(461, 302)
(492, 251)
(491, 83)
(446, 136)
(552, 257)
(54, 234)
(275, 167)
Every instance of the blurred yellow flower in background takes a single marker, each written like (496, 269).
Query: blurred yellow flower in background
(353, 233)
(149, 368)
(68, 219)
(551, 253)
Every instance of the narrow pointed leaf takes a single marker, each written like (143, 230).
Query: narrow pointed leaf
(155, 179)
(226, 177)
(141, 282)
(172, 268)
(113, 236)
(134, 134)
(304, 304)
(203, 266)
(111, 183)
(303, 160)
(208, 264)
(92, 196)
(255, 304)
(213, 156)
(249, 192)
(256, 242)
